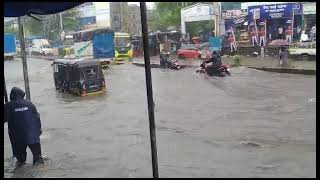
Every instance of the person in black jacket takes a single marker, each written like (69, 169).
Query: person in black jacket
(24, 127)
(215, 63)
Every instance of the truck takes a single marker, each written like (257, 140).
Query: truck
(41, 47)
(97, 44)
(10, 49)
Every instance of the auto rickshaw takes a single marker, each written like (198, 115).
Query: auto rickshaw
(78, 76)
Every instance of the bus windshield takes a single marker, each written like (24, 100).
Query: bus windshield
(122, 42)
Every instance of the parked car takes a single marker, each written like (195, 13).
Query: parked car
(189, 51)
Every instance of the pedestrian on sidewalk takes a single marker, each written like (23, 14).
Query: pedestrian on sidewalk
(280, 32)
(283, 56)
(270, 33)
(24, 127)
(313, 33)
(289, 34)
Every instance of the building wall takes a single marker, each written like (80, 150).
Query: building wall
(135, 20)
(119, 16)
(309, 15)
(115, 16)
(95, 15)
(198, 12)
(125, 18)
(102, 14)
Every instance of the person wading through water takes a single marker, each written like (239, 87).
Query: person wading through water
(24, 127)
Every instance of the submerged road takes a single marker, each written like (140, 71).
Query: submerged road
(252, 124)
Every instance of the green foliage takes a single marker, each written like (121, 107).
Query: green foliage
(49, 27)
(230, 5)
(10, 29)
(202, 26)
(167, 14)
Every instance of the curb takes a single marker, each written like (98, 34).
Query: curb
(286, 70)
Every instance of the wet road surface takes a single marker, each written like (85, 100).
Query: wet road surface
(253, 124)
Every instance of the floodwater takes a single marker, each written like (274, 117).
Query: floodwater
(252, 124)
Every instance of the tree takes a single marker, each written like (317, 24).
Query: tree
(7, 28)
(49, 26)
(70, 22)
(167, 14)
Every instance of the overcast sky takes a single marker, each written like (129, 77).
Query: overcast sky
(149, 4)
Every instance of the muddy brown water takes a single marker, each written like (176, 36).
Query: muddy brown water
(252, 124)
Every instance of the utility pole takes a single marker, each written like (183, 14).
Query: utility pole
(61, 26)
(152, 126)
(219, 15)
(24, 59)
(217, 8)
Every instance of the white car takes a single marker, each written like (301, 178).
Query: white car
(41, 46)
(47, 50)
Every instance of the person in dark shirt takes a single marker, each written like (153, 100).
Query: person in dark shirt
(24, 127)
(213, 64)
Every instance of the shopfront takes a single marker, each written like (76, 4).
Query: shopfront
(269, 18)
(309, 16)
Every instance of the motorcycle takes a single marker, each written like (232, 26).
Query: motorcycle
(222, 71)
(165, 63)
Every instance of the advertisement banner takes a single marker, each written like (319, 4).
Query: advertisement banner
(235, 13)
(253, 33)
(274, 11)
(262, 32)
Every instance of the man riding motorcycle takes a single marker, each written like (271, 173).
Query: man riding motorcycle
(213, 64)
(166, 63)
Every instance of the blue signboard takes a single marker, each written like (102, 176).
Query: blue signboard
(215, 44)
(275, 11)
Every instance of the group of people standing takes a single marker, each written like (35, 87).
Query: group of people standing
(285, 33)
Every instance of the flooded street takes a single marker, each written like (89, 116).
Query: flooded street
(252, 124)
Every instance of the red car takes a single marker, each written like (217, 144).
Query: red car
(188, 52)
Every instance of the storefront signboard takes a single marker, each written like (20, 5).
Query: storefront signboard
(235, 13)
(274, 11)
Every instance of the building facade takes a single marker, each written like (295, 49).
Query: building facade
(309, 15)
(135, 20)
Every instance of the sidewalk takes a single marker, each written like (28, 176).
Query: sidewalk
(266, 64)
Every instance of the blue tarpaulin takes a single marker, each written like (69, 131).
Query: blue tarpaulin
(103, 45)
(17, 9)
(215, 44)
(9, 43)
